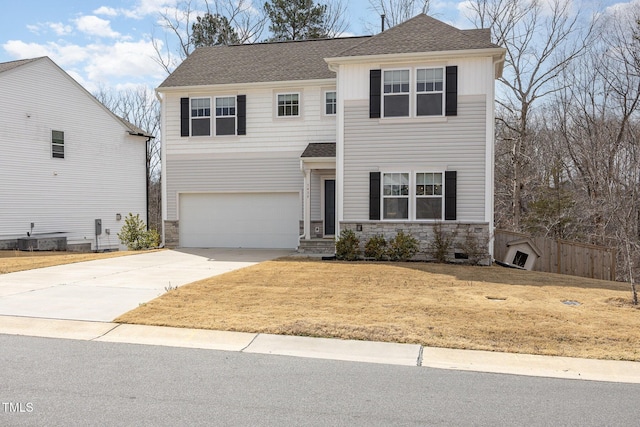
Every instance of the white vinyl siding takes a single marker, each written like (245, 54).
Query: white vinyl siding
(103, 172)
(265, 131)
(231, 174)
(456, 144)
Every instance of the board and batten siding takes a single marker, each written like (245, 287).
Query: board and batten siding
(102, 173)
(454, 143)
(475, 76)
(247, 173)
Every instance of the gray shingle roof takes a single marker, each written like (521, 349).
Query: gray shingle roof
(304, 60)
(259, 62)
(422, 33)
(320, 149)
(6, 66)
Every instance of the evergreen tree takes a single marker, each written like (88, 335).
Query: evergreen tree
(212, 30)
(296, 20)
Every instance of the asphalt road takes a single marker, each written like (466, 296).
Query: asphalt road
(56, 382)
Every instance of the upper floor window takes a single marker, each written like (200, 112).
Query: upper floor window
(429, 91)
(201, 116)
(57, 144)
(226, 115)
(330, 103)
(288, 104)
(396, 93)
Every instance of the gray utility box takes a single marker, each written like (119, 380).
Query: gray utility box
(42, 244)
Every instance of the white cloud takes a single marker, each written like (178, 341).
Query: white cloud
(106, 11)
(21, 50)
(129, 60)
(95, 26)
(60, 28)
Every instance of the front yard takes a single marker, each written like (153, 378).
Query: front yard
(12, 261)
(484, 308)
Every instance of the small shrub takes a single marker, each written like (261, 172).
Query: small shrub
(441, 244)
(376, 248)
(348, 246)
(402, 247)
(135, 236)
(474, 247)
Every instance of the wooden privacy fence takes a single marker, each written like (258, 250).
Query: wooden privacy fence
(563, 257)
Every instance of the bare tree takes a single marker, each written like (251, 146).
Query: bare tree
(541, 40)
(397, 11)
(176, 25)
(140, 107)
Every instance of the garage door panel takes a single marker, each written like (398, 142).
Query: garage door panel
(254, 220)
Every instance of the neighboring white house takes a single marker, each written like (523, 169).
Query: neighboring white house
(278, 144)
(67, 160)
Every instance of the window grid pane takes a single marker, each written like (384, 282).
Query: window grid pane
(396, 81)
(226, 107)
(330, 103)
(429, 80)
(288, 104)
(200, 107)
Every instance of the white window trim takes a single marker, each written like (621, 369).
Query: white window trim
(412, 195)
(324, 104)
(191, 118)
(215, 116)
(384, 96)
(416, 197)
(55, 144)
(277, 110)
(383, 197)
(443, 91)
(413, 94)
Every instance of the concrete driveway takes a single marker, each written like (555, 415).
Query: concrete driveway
(102, 290)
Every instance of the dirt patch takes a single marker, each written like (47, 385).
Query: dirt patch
(483, 308)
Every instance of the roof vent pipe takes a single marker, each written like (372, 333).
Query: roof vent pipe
(382, 20)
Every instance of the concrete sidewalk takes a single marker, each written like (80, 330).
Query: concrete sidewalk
(358, 351)
(101, 290)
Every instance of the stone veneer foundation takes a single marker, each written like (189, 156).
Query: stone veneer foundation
(171, 234)
(424, 233)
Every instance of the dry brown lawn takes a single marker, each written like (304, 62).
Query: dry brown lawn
(12, 261)
(484, 308)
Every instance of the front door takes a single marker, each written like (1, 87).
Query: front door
(329, 207)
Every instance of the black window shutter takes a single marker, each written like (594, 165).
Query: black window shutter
(374, 195)
(451, 100)
(375, 81)
(241, 101)
(450, 195)
(184, 116)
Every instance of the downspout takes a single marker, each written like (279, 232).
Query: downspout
(146, 161)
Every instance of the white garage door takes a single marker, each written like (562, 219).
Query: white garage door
(252, 220)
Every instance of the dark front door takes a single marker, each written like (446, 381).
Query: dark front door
(329, 207)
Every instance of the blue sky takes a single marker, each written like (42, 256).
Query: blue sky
(107, 43)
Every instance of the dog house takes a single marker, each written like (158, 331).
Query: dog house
(522, 253)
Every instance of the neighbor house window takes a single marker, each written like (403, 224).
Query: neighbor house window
(330, 103)
(288, 104)
(429, 196)
(57, 144)
(395, 195)
(200, 116)
(226, 115)
(396, 93)
(429, 91)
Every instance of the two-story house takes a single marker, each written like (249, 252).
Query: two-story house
(274, 144)
(70, 170)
